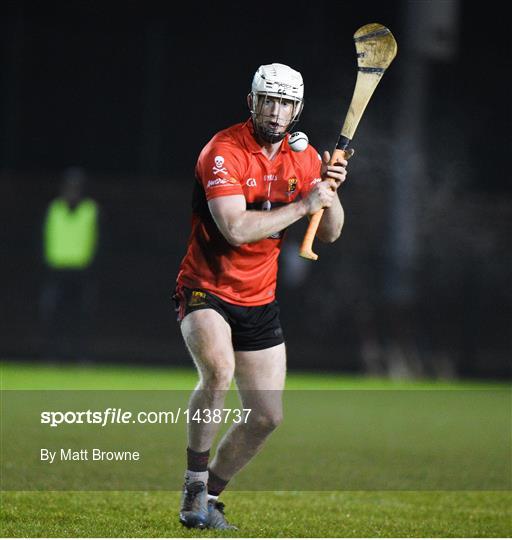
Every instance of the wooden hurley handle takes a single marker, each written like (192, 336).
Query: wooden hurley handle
(306, 248)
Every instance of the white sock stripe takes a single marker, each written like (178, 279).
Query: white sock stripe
(196, 476)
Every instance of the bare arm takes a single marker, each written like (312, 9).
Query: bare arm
(332, 221)
(241, 226)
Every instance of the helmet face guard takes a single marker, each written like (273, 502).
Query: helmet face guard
(281, 83)
(268, 133)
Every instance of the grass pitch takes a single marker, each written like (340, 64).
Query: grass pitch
(257, 513)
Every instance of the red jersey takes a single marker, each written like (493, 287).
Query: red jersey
(232, 163)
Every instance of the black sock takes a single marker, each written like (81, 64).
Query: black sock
(216, 485)
(197, 461)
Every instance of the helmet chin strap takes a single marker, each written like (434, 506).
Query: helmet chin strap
(268, 135)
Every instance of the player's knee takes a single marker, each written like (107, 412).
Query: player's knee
(266, 422)
(218, 377)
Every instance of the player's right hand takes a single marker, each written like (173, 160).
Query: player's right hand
(321, 196)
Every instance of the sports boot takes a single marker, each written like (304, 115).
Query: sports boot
(194, 506)
(216, 518)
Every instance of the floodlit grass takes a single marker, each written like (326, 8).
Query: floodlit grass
(54, 376)
(257, 513)
(261, 514)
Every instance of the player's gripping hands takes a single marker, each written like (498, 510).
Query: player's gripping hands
(323, 194)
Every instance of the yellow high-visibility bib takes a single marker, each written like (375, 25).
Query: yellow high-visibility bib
(70, 236)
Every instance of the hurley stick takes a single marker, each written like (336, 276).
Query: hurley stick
(376, 48)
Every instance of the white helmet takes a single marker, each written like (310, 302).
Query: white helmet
(281, 81)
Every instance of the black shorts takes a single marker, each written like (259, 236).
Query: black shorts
(252, 327)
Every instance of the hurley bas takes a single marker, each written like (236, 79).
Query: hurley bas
(84, 454)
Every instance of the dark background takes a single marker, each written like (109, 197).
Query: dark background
(418, 284)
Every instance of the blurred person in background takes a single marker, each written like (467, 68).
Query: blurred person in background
(70, 243)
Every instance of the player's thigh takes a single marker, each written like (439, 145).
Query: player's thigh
(260, 377)
(261, 370)
(208, 338)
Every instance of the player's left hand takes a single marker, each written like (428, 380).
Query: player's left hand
(336, 174)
